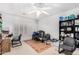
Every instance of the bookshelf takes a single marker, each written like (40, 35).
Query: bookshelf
(0, 26)
(68, 27)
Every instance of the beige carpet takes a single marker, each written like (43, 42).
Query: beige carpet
(37, 45)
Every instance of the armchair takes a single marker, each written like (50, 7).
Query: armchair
(16, 40)
(46, 38)
(41, 35)
(68, 44)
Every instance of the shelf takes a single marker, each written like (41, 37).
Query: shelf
(69, 20)
(71, 28)
(66, 21)
(76, 31)
(67, 32)
(65, 26)
(65, 29)
(76, 25)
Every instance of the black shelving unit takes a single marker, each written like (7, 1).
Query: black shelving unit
(0, 35)
(68, 27)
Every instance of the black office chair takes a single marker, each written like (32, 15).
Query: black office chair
(77, 38)
(41, 35)
(68, 44)
(16, 41)
(0, 47)
(46, 38)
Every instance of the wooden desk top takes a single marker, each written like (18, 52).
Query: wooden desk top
(4, 39)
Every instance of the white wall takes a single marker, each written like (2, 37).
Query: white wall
(51, 24)
(12, 21)
(23, 25)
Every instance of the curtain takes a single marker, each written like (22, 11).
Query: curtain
(20, 29)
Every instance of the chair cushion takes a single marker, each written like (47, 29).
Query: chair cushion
(15, 37)
(69, 48)
(69, 41)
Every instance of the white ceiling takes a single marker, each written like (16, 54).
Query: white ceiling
(23, 8)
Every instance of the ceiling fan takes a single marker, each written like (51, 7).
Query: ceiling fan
(39, 9)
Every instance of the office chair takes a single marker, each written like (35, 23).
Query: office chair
(46, 38)
(68, 44)
(0, 48)
(16, 41)
(35, 36)
(41, 35)
(77, 39)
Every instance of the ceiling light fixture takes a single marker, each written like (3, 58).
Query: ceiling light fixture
(39, 9)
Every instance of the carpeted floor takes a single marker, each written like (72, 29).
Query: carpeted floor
(37, 45)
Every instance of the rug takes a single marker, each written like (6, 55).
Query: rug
(38, 46)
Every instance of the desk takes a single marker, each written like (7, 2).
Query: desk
(0, 46)
(5, 45)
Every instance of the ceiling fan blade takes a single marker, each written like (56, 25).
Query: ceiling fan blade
(34, 7)
(45, 12)
(38, 13)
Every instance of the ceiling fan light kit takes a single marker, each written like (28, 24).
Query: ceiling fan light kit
(38, 9)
